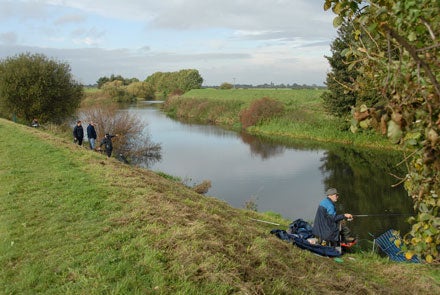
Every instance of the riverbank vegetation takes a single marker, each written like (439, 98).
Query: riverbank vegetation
(75, 222)
(304, 115)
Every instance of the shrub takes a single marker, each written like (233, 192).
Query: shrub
(34, 86)
(176, 92)
(226, 85)
(141, 89)
(133, 142)
(260, 110)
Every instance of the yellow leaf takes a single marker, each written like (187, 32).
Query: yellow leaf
(429, 258)
(337, 8)
(409, 255)
(397, 243)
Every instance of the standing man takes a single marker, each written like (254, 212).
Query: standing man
(91, 134)
(78, 133)
(326, 226)
(108, 144)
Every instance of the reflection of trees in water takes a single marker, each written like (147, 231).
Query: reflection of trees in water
(365, 183)
(151, 157)
(263, 148)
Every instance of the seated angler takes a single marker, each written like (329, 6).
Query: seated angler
(328, 226)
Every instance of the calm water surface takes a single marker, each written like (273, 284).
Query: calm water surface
(287, 178)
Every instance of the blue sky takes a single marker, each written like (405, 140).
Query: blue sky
(246, 41)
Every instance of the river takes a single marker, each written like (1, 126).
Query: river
(288, 178)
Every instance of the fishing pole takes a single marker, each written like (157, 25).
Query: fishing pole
(382, 215)
(264, 221)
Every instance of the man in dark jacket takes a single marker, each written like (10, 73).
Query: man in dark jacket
(108, 144)
(91, 134)
(326, 226)
(78, 133)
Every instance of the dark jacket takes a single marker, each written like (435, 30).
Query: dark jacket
(91, 132)
(326, 224)
(78, 132)
(107, 142)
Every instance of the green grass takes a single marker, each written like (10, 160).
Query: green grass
(305, 116)
(91, 89)
(74, 222)
(54, 216)
(286, 95)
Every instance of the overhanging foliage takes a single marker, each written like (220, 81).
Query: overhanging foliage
(406, 71)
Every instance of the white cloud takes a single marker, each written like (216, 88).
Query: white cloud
(8, 38)
(280, 41)
(69, 19)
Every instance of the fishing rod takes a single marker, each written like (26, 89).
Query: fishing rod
(354, 215)
(382, 215)
(264, 221)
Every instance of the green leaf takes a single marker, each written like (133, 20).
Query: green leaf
(353, 6)
(353, 129)
(412, 36)
(424, 217)
(372, 27)
(380, 11)
(394, 132)
(365, 124)
(423, 208)
(337, 21)
(350, 66)
(363, 108)
(337, 8)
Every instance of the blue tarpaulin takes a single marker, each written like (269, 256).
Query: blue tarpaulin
(386, 243)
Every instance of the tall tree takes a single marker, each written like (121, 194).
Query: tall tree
(189, 79)
(347, 88)
(406, 73)
(33, 86)
(341, 95)
(169, 82)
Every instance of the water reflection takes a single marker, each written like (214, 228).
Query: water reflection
(367, 187)
(264, 149)
(289, 178)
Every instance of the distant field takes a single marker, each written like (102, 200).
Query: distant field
(286, 95)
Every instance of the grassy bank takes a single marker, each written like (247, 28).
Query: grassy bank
(304, 116)
(74, 222)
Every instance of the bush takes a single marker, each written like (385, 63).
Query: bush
(260, 110)
(226, 85)
(132, 141)
(140, 89)
(34, 86)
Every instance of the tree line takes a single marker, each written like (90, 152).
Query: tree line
(156, 86)
(34, 86)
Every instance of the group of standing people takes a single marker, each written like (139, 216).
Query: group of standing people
(78, 136)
